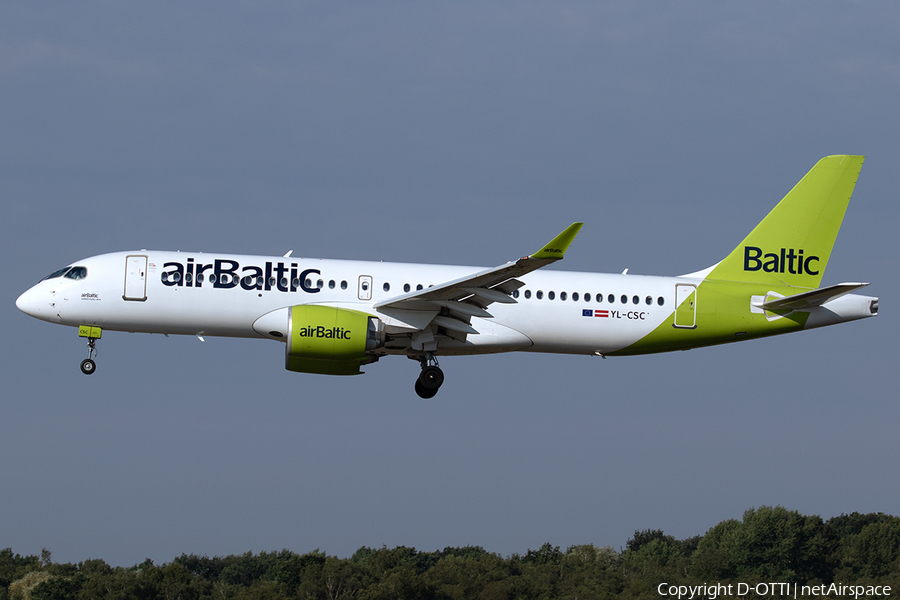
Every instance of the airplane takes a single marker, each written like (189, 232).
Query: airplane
(334, 316)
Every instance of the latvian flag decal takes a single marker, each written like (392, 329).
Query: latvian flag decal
(587, 312)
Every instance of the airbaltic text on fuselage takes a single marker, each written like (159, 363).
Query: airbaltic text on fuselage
(228, 273)
(790, 259)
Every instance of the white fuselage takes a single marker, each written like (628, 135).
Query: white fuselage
(550, 315)
(226, 295)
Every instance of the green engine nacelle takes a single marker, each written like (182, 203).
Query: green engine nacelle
(330, 340)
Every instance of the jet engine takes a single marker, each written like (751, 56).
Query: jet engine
(324, 339)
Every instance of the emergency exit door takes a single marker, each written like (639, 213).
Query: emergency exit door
(365, 287)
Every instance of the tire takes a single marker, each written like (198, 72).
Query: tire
(423, 393)
(88, 366)
(431, 378)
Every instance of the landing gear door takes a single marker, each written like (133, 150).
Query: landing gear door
(685, 306)
(365, 287)
(135, 278)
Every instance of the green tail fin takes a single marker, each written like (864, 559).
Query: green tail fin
(793, 243)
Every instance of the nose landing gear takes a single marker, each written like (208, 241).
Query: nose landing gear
(431, 377)
(88, 366)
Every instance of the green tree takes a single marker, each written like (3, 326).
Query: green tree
(545, 555)
(643, 537)
(770, 544)
(591, 572)
(399, 583)
(294, 569)
(13, 567)
(330, 578)
(22, 588)
(469, 573)
(57, 588)
(874, 552)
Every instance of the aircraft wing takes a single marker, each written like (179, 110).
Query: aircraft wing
(812, 298)
(451, 305)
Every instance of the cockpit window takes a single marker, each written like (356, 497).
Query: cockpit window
(69, 273)
(56, 273)
(76, 273)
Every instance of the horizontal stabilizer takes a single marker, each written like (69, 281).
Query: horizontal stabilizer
(812, 298)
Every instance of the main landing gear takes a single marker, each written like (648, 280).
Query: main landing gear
(431, 377)
(88, 366)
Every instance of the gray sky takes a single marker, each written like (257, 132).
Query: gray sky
(457, 133)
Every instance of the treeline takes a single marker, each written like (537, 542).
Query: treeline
(767, 545)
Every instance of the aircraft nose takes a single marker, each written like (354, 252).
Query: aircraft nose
(23, 302)
(27, 303)
(40, 302)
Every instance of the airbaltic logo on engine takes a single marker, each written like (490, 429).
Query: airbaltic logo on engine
(791, 260)
(227, 273)
(338, 333)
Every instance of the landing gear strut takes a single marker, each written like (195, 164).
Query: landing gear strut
(431, 377)
(88, 366)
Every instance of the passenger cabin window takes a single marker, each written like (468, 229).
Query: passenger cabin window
(551, 295)
(527, 294)
(386, 286)
(539, 294)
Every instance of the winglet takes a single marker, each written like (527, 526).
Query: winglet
(557, 247)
